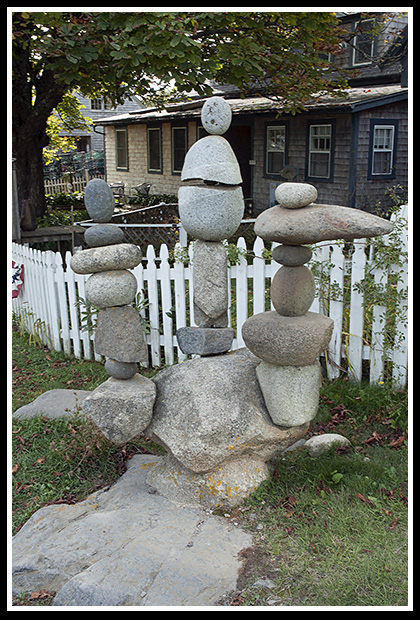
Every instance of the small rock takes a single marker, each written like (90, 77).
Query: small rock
(292, 255)
(318, 444)
(205, 341)
(295, 195)
(103, 234)
(216, 115)
(99, 200)
(120, 370)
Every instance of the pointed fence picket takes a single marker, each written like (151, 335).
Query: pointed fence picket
(51, 303)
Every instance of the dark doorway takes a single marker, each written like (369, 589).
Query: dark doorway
(240, 139)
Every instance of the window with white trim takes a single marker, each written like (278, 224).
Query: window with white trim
(319, 153)
(383, 149)
(363, 43)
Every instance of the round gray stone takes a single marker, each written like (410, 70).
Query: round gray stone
(287, 340)
(211, 159)
(111, 288)
(121, 370)
(295, 195)
(106, 258)
(292, 255)
(99, 200)
(293, 290)
(216, 115)
(211, 213)
(103, 234)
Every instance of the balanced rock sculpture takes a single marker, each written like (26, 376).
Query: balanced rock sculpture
(122, 406)
(211, 209)
(290, 339)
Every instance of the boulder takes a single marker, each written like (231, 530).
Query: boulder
(121, 409)
(211, 410)
(103, 234)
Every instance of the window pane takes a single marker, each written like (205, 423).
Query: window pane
(275, 162)
(319, 165)
(121, 148)
(276, 138)
(381, 163)
(383, 138)
(179, 147)
(154, 149)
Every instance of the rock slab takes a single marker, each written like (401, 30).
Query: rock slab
(124, 546)
(53, 404)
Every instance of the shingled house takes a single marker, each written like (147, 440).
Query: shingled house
(351, 149)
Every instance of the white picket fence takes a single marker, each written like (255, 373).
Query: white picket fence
(48, 303)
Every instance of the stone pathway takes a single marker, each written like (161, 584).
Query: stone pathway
(128, 546)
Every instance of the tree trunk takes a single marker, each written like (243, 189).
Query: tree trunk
(34, 97)
(30, 180)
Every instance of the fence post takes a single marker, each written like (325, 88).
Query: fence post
(355, 336)
(336, 310)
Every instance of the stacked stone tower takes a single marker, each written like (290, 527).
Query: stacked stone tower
(290, 339)
(211, 208)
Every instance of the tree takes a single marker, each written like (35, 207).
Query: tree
(117, 54)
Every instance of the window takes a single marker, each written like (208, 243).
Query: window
(382, 148)
(363, 43)
(121, 148)
(275, 150)
(154, 150)
(100, 104)
(179, 148)
(96, 104)
(320, 141)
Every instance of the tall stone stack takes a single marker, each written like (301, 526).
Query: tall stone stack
(211, 208)
(123, 405)
(290, 339)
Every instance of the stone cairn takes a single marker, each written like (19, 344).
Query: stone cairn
(122, 406)
(290, 339)
(221, 416)
(210, 212)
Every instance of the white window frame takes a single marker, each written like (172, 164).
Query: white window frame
(312, 151)
(358, 63)
(377, 148)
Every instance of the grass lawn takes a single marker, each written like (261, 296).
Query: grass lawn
(328, 531)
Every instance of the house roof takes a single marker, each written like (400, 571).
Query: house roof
(355, 100)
